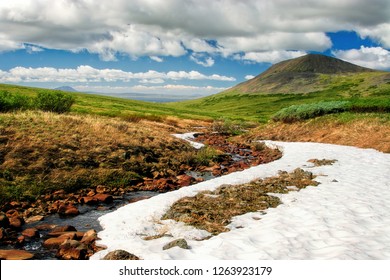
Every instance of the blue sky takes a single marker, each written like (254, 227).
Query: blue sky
(181, 47)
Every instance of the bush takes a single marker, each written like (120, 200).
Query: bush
(307, 111)
(12, 102)
(228, 127)
(57, 102)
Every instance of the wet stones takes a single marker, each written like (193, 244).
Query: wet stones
(15, 255)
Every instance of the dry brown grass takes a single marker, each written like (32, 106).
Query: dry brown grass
(51, 151)
(213, 211)
(361, 132)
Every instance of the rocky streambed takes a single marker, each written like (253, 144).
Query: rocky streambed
(65, 225)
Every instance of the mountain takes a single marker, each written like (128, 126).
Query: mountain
(309, 73)
(308, 79)
(66, 88)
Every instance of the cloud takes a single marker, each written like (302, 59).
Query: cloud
(270, 56)
(248, 77)
(374, 57)
(156, 58)
(201, 60)
(171, 28)
(86, 73)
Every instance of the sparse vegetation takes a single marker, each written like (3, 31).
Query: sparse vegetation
(42, 152)
(213, 211)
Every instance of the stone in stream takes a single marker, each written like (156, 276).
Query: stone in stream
(15, 255)
(30, 232)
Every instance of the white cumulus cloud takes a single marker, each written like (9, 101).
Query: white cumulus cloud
(371, 57)
(172, 28)
(86, 73)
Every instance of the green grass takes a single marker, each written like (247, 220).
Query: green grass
(94, 104)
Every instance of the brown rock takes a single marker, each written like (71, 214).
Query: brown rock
(16, 222)
(12, 213)
(46, 227)
(21, 239)
(33, 219)
(101, 189)
(89, 237)
(105, 198)
(15, 255)
(68, 210)
(78, 234)
(90, 200)
(185, 180)
(72, 250)
(64, 228)
(135, 199)
(30, 232)
(55, 242)
(120, 255)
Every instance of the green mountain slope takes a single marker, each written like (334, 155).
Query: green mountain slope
(308, 79)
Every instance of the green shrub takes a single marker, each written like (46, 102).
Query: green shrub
(11, 102)
(58, 102)
(377, 105)
(228, 127)
(307, 111)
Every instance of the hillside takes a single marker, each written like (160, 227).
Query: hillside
(310, 73)
(308, 79)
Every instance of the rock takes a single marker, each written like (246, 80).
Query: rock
(30, 232)
(21, 239)
(90, 200)
(1, 233)
(72, 250)
(101, 189)
(78, 234)
(89, 236)
(46, 227)
(16, 222)
(139, 198)
(120, 255)
(185, 180)
(68, 210)
(182, 243)
(55, 242)
(33, 219)
(15, 255)
(105, 198)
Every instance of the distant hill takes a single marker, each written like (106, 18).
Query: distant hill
(309, 79)
(309, 73)
(66, 88)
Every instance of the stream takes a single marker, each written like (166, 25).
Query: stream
(89, 215)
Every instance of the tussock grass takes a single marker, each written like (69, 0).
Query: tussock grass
(42, 151)
(366, 130)
(213, 211)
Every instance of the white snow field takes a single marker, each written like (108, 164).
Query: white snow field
(347, 216)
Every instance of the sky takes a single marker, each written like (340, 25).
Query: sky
(181, 47)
